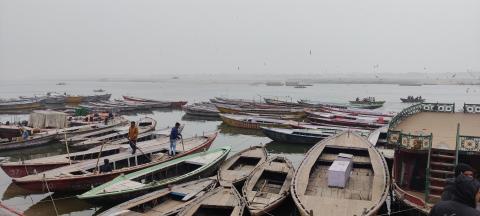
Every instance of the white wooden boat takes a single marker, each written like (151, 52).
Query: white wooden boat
(223, 201)
(366, 188)
(236, 168)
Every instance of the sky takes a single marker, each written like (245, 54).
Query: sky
(142, 38)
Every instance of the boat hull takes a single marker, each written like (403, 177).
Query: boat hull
(38, 141)
(290, 138)
(249, 125)
(18, 171)
(83, 183)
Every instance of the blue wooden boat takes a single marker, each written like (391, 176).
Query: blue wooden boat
(302, 136)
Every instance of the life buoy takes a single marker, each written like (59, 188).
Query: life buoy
(448, 108)
(441, 108)
(426, 107)
(470, 109)
(477, 109)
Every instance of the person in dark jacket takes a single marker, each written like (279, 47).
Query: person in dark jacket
(466, 196)
(106, 167)
(174, 135)
(449, 188)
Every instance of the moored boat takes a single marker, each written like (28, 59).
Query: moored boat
(82, 176)
(222, 201)
(236, 168)
(202, 109)
(144, 125)
(178, 170)
(268, 186)
(173, 104)
(411, 99)
(300, 136)
(166, 202)
(37, 139)
(368, 101)
(273, 111)
(341, 175)
(19, 106)
(252, 122)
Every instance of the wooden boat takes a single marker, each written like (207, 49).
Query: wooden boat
(5, 210)
(9, 131)
(268, 185)
(222, 201)
(202, 109)
(251, 122)
(236, 168)
(113, 127)
(93, 98)
(277, 102)
(331, 119)
(276, 111)
(411, 99)
(70, 99)
(18, 169)
(173, 104)
(355, 111)
(82, 176)
(178, 170)
(99, 90)
(348, 116)
(32, 141)
(166, 202)
(368, 101)
(300, 136)
(16, 106)
(144, 125)
(366, 188)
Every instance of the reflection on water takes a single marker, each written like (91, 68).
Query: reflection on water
(64, 205)
(288, 148)
(188, 117)
(51, 149)
(232, 131)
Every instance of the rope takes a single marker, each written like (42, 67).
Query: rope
(50, 194)
(396, 212)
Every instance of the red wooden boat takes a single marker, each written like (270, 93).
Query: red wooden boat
(347, 121)
(173, 104)
(82, 176)
(18, 169)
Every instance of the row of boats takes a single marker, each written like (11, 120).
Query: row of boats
(95, 103)
(202, 181)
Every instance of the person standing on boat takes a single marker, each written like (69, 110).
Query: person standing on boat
(132, 136)
(174, 135)
(466, 197)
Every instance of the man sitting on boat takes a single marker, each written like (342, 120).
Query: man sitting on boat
(132, 136)
(466, 197)
(174, 135)
(106, 167)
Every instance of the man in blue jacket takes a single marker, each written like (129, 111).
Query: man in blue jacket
(174, 135)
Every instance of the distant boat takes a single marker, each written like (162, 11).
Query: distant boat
(410, 84)
(175, 77)
(62, 83)
(99, 90)
(300, 86)
(274, 83)
(411, 99)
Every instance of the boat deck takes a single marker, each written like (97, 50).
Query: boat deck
(443, 126)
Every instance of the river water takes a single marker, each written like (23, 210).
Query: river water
(195, 91)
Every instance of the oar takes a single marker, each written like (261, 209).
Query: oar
(183, 147)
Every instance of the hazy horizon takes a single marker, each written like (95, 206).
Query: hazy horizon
(55, 39)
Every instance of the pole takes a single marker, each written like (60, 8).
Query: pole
(99, 154)
(68, 151)
(183, 146)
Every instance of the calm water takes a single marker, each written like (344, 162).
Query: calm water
(40, 204)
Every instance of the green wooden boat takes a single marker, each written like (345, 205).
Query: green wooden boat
(138, 183)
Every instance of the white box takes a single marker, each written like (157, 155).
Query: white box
(339, 173)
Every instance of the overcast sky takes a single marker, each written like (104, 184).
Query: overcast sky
(109, 38)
